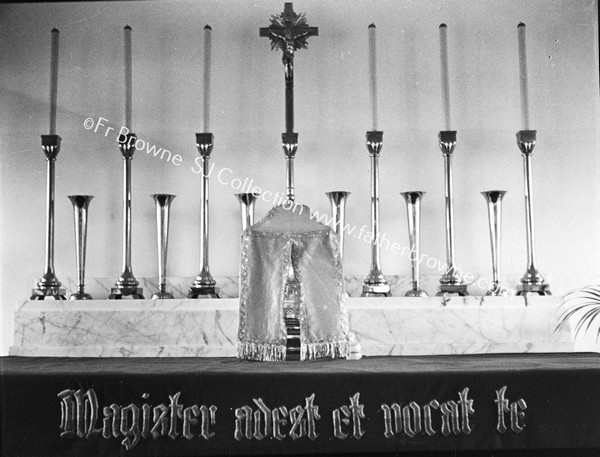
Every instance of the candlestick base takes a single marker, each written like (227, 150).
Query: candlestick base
(48, 287)
(379, 288)
(458, 289)
(80, 296)
(534, 289)
(203, 292)
(496, 290)
(416, 293)
(162, 296)
(126, 286)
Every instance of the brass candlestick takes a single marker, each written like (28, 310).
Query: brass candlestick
(49, 286)
(450, 282)
(247, 202)
(532, 281)
(80, 204)
(338, 211)
(494, 207)
(204, 285)
(162, 202)
(127, 285)
(413, 212)
(375, 284)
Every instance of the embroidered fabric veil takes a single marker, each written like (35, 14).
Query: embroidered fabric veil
(289, 240)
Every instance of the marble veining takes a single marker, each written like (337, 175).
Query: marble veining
(208, 327)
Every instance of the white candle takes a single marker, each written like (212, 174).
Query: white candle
(373, 73)
(128, 96)
(53, 80)
(444, 74)
(206, 101)
(523, 77)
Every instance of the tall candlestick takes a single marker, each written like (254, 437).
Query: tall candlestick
(128, 77)
(53, 80)
(373, 73)
(521, 28)
(445, 78)
(207, 50)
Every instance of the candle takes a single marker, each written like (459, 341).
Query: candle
(373, 73)
(523, 77)
(53, 80)
(207, 49)
(445, 78)
(128, 97)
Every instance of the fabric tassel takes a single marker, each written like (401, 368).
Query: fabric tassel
(261, 352)
(335, 350)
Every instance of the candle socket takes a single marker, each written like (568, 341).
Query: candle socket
(204, 286)
(532, 281)
(375, 285)
(451, 281)
(49, 286)
(289, 142)
(127, 285)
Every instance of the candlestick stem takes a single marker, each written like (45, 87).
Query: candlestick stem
(247, 202)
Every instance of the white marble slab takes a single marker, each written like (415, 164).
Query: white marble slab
(208, 328)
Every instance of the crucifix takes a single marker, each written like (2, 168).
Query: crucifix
(288, 32)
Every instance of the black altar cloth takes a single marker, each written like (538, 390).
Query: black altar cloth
(526, 404)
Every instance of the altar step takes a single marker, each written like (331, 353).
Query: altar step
(208, 328)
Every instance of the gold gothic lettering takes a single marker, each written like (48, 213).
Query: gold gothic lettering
(279, 422)
(80, 418)
(413, 419)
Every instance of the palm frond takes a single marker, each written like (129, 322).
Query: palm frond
(583, 304)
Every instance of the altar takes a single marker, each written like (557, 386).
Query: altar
(442, 266)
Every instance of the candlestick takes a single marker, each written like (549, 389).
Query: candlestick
(532, 281)
(49, 286)
(373, 73)
(444, 72)
(127, 285)
(53, 79)
(204, 285)
(207, 62)
(451, 281)
(375, 285)
(521, 29)
(128, 78)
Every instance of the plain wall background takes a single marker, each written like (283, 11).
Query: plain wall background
(332, 115)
